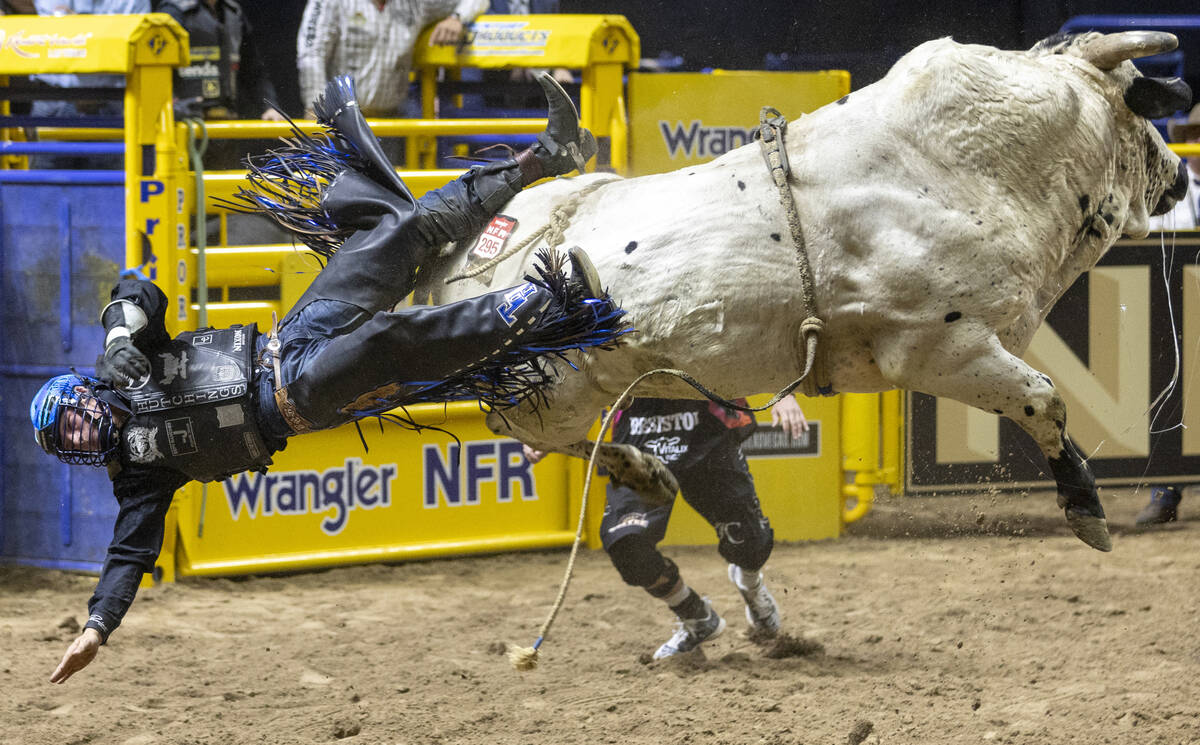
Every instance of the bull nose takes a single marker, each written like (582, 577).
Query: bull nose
(1177, 191)
(1179, 188)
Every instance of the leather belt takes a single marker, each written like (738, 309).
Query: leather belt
(287, 408)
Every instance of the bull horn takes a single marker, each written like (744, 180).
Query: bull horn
(1111, 50)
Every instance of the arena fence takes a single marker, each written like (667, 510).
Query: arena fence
(426, 495)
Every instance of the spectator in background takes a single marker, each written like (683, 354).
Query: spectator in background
(373, 41)
(1186, 213)
(79, 108)
(1163, 506)
(225, 78)
(17, 7)
(512, 99)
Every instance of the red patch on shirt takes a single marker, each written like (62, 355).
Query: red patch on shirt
(491, 241)
(731, 418)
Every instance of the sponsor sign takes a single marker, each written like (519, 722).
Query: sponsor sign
(505, 39)
(332, 493)
(769, 441)
(680, 119)
(29, 45)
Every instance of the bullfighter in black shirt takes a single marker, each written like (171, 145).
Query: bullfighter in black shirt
(214, 402)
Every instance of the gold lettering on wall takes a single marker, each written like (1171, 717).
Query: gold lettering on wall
(966, 434)
(1107, 396)
(1108, 399)
(1190, 360)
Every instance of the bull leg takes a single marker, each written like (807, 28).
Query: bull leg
(642, 472)
(972, 366)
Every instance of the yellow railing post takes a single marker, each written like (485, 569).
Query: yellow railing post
(871, 444)
(155, 219)
(603, 47)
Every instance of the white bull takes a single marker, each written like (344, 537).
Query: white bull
(944, 210)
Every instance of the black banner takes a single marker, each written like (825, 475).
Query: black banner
(1150, 447)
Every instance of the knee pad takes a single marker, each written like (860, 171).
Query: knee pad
(748, 546)
(638, 561)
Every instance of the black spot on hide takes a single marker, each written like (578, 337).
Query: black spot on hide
(741, 186)
(629, 247)
(843, 100)
(1028, 411)
(1108, 218)
(953, 316)
(1084, 202)
(775, 237)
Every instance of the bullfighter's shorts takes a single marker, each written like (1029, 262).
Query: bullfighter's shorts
(720, 488)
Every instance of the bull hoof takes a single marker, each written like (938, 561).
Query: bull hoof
(660, 487)
(1090, 529)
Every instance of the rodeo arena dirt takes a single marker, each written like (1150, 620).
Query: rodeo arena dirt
(935, 620)
(927, 232)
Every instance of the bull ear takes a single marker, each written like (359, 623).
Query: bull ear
(1154, 98)
(1110, 50)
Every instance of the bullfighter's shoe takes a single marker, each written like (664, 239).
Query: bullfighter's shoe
(762, 612)
(692, 632)
(564, 146)
(1163, 506)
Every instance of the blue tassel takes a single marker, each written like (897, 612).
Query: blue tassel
(286, 184)
(516, 375)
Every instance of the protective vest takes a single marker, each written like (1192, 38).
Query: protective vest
(195, 411)
(209, 82)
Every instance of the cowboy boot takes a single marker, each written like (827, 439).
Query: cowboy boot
(564, 146)
(338, 109)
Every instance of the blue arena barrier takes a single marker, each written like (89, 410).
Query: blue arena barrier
(62, 148)
(64, 178)
(61, 250)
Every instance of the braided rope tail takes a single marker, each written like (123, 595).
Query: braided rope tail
(526, 658)
(560, 220)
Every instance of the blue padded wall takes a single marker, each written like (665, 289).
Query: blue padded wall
(61, 250)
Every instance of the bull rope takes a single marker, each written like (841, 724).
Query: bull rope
(772, 126)
(560, 220)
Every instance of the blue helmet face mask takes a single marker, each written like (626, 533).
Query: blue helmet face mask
(73, 424)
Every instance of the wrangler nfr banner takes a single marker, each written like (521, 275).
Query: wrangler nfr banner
(679, 119)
